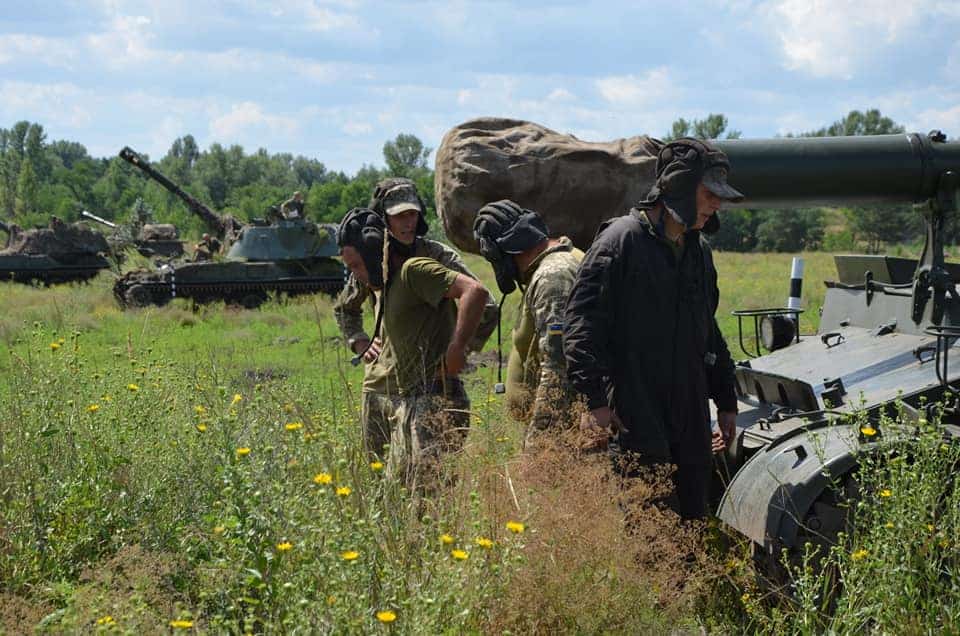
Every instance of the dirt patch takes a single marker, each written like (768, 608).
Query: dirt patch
(18, 615)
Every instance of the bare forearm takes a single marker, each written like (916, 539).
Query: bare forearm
(469, 314)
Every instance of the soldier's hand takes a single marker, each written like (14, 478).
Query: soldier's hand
(455, 359)
(717, 443)
(598, 426)
(372, 353)
(727, 421)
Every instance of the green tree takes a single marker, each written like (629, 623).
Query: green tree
(26, 199)
(858, 123)
(406, 155)
(713, 126)
(792, 230)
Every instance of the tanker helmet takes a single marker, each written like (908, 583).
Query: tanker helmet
(396, 195)
(504, 229)
(681, 166)
(363, 230)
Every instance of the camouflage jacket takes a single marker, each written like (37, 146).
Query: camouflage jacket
(537, 368)
(348, 309)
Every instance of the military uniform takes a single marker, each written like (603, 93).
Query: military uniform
(431, 413)
(537, 386)
(380, 389)
(292, 208)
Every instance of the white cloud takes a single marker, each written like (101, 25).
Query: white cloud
(560, 95)
(945, 119)
(637, 90)
(357, 128)
(61, 104)
(125, 42)
(832, 38)
(248, 117)
(53, 52)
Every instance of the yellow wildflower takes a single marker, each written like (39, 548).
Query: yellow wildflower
(283, 547)
(309, 436)
(181, 624)
(930, 527)
(888, 524)
(386, 616)
(349, 555)
(236, 399)
(93, 408)
(515, 527)
(484, 542)
(331, 600)
(886, 492)
(294, 426)
(132, 387)
(503, 438)
(107, 398)
(105, 620)
(201, 427)
(376, 466)
(459, 555)
(243, 451)
(745, 598)
(446, 539)
(859, 554)
(344, 491)
(200, 409)
(868, 430)
(54, 346)
(944, 543)
(322, 478)
(219, 530)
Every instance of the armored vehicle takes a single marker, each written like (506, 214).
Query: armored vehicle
(289, 256)
(59, 253)
(150, 239)
(887, 326)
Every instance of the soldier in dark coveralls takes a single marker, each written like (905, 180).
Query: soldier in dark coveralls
(641, 340)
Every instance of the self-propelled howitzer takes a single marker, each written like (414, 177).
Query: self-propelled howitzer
(288, 256)
(887, 324)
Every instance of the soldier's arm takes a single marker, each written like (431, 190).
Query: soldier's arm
(546, 299)
(450, 259)
(720, 374)
(348, 311)
(587, 328)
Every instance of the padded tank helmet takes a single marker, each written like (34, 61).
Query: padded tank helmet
(363, 230)
(503, 229)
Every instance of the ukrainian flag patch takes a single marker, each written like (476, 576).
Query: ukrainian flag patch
(555, 329)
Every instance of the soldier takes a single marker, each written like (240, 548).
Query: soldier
(206, 248)
(396, 201)
(292, 208)
(426, 348)
(641, 340)
(515, 242)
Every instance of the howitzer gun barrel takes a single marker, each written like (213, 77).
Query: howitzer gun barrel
(803, 171)
(94, 217)
(211, 218)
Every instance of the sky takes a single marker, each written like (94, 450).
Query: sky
(333, 80)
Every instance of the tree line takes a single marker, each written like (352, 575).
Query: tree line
(40, 177)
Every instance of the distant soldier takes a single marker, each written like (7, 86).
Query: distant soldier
(292, 208)
(206, 248)
(397, 203)
(515, 241)
(428, 338)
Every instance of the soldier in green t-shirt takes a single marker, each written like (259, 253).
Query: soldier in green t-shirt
(516, 243)
(397, 202)
(429, 335)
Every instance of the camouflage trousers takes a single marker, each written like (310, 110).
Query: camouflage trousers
(425, 428)
(376, 414)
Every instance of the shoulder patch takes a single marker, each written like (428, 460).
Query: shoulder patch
(555, 329)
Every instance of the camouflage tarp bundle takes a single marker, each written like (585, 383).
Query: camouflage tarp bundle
(159, 232)
(60, 239)
(573, 184)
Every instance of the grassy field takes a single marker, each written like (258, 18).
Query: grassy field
(200, 469)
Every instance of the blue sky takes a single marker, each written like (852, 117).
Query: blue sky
(334, 80)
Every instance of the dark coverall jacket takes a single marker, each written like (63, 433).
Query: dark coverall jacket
(641, 337)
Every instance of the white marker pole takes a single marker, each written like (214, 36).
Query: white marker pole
(796, 283)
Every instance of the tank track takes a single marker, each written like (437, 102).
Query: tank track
(51, 276)
(134, 290)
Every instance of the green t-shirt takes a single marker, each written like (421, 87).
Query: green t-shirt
(420, 322)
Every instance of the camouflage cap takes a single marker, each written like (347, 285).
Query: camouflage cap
(400, 199)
